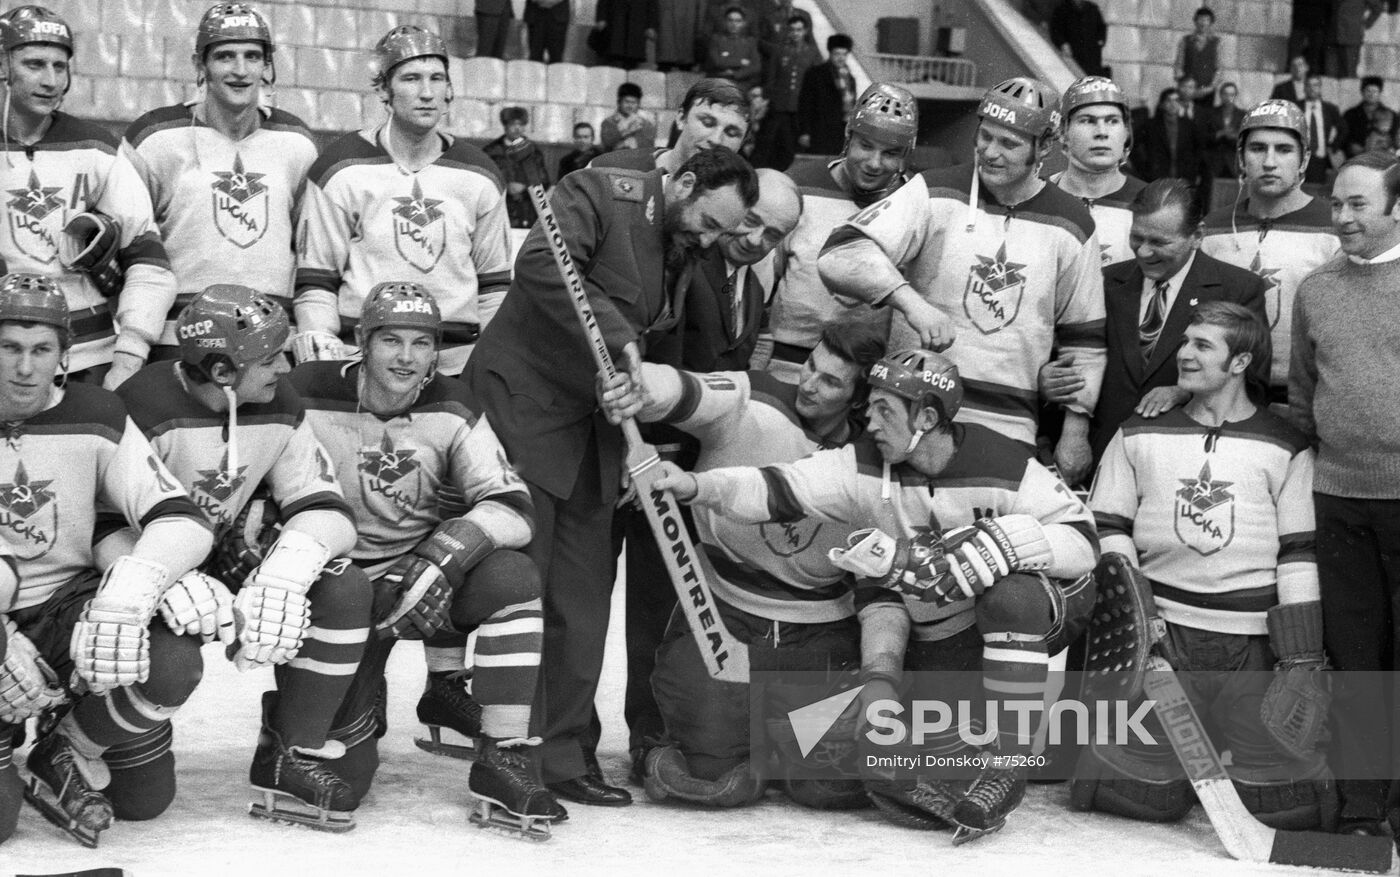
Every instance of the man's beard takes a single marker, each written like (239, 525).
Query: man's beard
(678, 244)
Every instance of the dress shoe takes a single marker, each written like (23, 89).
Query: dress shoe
(590, 790)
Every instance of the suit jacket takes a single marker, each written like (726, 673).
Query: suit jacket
(1331, 124)
(1285, 90)
(705, 340)
(1127, 378)
(1188, 149)
(819, 110)
(532, 370)
(1356, 125)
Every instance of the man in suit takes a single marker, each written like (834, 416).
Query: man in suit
(827, 99)
(1148, 301)
(1295, 87)
(625, 230)
(1223, 129)
(1325, 135)
(1359, 121)
(1173, 142)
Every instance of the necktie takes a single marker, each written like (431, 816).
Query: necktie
(735, 300)
(1150, 329)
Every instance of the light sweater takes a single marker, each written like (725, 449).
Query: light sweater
(1344, 379)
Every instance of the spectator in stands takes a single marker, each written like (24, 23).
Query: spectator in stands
(585, 150)
(1324, 132)
(1077, 28)
(1307, 36)
(1380, 138)
(783, 83)
(547, 28)
(761, 148)
(625, 26)
(1350, 19)
(676, 35)
(521, 163)
(492, 27)
(733, 52)
(1172, 148)
(827, 99)
(1223, 128)
(1361, 120)
(1295, 87)
(1198, 56)
(631, 127)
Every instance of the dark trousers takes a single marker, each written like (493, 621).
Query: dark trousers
(650, 599)
(573, 550)
(546, 32)
(491, 33)
(1358, 565)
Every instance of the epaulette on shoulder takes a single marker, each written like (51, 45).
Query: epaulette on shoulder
(625, 186)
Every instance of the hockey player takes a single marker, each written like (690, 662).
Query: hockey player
(1275, 229)
(67, 615)
(396, 435)
(402, 199)
(1004, 577)
(879, 138)
(1213, 502)
(225, 420)
(77, 209)
(225, 173)
(998, 260)
(713, 112)
(774, 586)
(1097, 135)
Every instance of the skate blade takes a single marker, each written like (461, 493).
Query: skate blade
(33, 793)
(467, 751)
(966, 834)
(333, 821)
(491, 815)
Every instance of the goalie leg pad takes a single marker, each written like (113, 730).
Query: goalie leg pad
(668, 776)
(1293, 797)
(1112, 779)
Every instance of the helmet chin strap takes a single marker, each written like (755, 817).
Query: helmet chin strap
(914, 440)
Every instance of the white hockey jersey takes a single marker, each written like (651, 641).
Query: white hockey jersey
(76, 167)
(226, 210)
(1024, 281)
(1282, 251)
(1113, 220)
(1221, 517)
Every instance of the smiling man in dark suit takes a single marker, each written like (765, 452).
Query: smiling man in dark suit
(1149, 300)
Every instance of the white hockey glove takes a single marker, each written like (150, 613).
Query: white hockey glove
(317, 346)
(273, 601)
(908, 566)
(111, 645)
(992, 548)
(199, 605)
(28, 686)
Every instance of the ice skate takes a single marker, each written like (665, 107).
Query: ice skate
(446, 705)
(985, 806)
(507, 797)
(61, 787)
(926, 805)
(297, 789)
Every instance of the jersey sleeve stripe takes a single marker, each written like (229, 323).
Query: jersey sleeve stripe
(1297, 548)
(515, 500)
(144, 249)
(1092, 334)
(319, 501)
(689, 401)
(844, 234)
(999, 397)
(782, 503)
(316, 278)
(175, 507)
(765, 584)
(1113, 525)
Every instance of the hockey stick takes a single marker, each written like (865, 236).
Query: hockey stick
(725, 657)
(1245, 837)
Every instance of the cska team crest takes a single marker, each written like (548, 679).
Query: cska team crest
(1273, 295)
(215, 488)
(239, 200)
(992, 299)
(28, 515)
(793, 537)
(420, 235)
(390, 480)
(35, 216)
(1205, 513)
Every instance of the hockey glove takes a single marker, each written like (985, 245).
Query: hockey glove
(992, 548)
(427, 579)
(252, 536)
(28, 686)
(273, 602)
(89, 245)
(1295, 707)
(916, 566)
(199, 605)
(314, 346)
(111, 644)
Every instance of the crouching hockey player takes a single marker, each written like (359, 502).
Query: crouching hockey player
(775, 587)
(1213, 503)
(79, 631)
(971, 556)
(399, 438)
(225, 422)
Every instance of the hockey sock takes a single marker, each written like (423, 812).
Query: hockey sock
(445, 659)
(507, 668)
(1015, 668)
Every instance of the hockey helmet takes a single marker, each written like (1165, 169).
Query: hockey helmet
(888, 114)
(1282, 114)
(232, 23)
(34, 298)
(1023, 105)
(404, 43)
(400, 304)
(921, 376)
(234, 321)
(29, 25)
(1090, 90)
